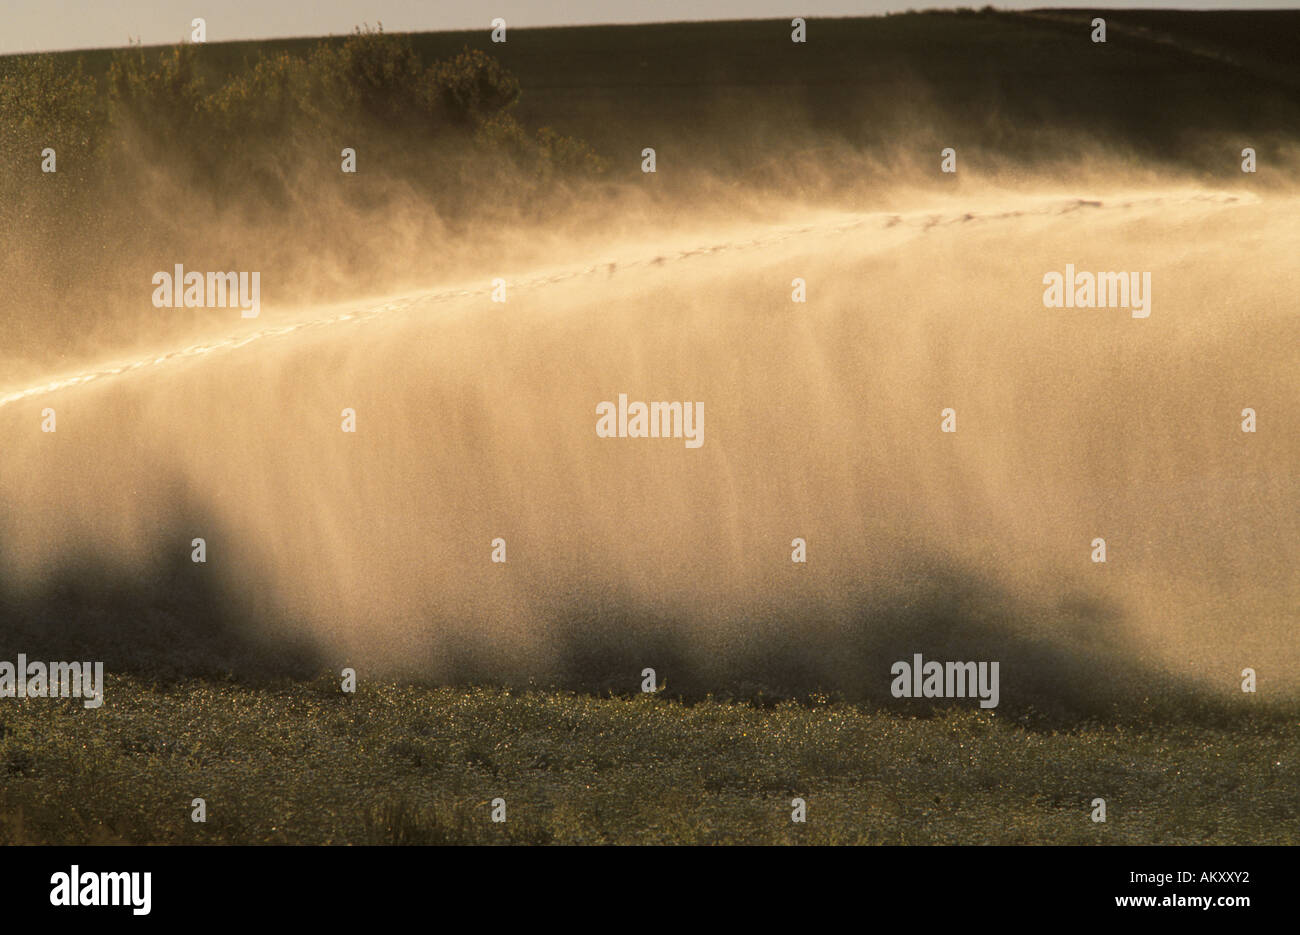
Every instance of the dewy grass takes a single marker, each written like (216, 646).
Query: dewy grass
(303, 763)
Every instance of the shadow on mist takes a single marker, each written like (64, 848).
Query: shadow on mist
(165, 618)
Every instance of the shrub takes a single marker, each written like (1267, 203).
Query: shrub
(469, 89)
(41, 105)
(165, 100)
(438, 141)
(371, 74)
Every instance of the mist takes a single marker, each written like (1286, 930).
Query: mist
(475, 420)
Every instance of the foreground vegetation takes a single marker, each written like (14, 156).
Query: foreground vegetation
(302, 762)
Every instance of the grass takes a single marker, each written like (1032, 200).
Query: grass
(302, 762)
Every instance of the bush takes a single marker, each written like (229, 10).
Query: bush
(370, 74)
(165, 101)
(371, 83)
(469, 89)
(248, 156)
(42, 106)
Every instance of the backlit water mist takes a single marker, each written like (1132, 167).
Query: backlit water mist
(475, 420)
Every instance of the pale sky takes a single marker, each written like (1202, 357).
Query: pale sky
(40, 25)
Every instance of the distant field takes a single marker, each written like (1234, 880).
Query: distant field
(707, 92)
